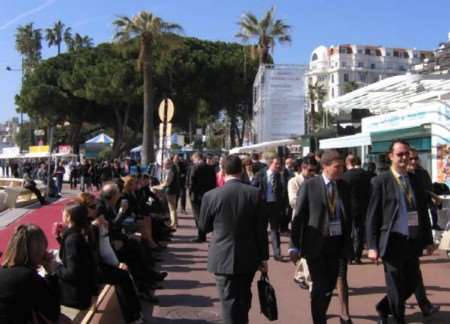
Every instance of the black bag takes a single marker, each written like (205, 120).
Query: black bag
(267, 298)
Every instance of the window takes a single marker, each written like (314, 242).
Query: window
(332, 78)
(363, 77)
(402, 68)
(344, 64)
(314, 57)
(415, 55)
(332, 92)
(378, 52)
(346, 78)
(396, 54)
(373, 66)
(405, 55)
(367, 51)
(360, 64)
(360, 51)
(388, 54)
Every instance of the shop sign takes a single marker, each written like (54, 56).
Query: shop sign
(39, 149)
(64, 149)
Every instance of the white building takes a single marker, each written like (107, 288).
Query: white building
(8, 131)
(335, 66)
(278, 102)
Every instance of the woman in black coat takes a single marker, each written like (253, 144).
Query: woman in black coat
(78, 272)
(23, 292)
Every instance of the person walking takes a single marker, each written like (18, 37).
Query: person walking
(398, 229)
(321, 232)
(358, 180)
(271, 191)
(304, 169)
(239, 246)
(202, 179)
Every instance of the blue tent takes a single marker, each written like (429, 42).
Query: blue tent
(100, 139)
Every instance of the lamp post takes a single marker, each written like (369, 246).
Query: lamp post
(10, 69)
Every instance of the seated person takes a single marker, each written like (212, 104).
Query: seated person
(24, 294)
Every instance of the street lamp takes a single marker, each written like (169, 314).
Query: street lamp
(10, 69)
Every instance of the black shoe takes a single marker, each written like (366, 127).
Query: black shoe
(347, 321)
(432, 309)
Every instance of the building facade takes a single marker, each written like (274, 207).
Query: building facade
(339, 69)
(8, 130)
(439, 63)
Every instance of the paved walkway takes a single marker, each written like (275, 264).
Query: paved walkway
(190, 295)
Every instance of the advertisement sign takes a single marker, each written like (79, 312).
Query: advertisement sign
(443, 164)
(11, 150)
(64, 149)
(280, 108)
(39, 149)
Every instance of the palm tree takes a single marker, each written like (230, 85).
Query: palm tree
(57, 34)
(78, 42)
(28, 44)
(316, 94)
(267, 31)
(146, 28)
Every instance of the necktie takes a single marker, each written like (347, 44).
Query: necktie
(407, 191)
(331, 198)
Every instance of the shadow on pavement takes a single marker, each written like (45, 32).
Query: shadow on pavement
(186, 284)
(186, 300)
(158, 320)
(182, 269)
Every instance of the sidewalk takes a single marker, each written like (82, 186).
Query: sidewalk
(190, 295)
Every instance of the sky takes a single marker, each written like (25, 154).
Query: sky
(393, 23)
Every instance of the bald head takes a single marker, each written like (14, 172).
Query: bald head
(110, 192)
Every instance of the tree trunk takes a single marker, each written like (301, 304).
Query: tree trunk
(119, 131)
(232, 130)
(148, 152)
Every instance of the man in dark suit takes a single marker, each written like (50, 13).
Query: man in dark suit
(239, 246)
(398, 229)
(321, 231)
(202, 179)
(358, 180)
(272, 194)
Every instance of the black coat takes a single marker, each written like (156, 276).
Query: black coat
(78, 272)
(239, 243)
(359, 184)
(260, 181)
(310, 225)
(383, 210)
(202, 179)
(23, 290)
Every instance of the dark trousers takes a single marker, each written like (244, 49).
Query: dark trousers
(196, 211)
(126, 293)
(421, 295)
(359, 238)
(401, 272)
(235, 297)
(182, 198)
(274, 214)
(324, 271)
(73, 179)
(287, 216)
(37, 192)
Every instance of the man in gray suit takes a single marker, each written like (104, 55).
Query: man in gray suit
(239, 246)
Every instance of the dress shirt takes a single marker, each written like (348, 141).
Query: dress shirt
(270, 195)
(401, 223)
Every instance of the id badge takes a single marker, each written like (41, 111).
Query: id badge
(413, 218)
(335, 228)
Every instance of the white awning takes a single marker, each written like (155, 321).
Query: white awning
(260, 147)
(356, 140)
(392, 94)
(36, 155)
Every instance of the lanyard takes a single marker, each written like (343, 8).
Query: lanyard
(332, 200)
(406, 190)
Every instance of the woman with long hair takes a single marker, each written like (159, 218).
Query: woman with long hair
(78, 272)
(24, 294)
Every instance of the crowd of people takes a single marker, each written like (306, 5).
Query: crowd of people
(114, 236)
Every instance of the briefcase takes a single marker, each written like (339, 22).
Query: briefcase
(267, 298)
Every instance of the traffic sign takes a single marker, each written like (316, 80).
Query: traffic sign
(166, 110)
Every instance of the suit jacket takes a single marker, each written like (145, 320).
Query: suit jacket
(310, 225)
(260, 181)
(359, 184)
(202, 179)
(239, 242)
(383, 211)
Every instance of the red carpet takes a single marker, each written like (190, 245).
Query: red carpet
(44, 217)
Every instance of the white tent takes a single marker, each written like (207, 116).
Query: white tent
(100, 139)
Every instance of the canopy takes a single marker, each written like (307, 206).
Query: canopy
(136, 149)
(100, 139)
(261, 146)
(36, 155)
(355, 140)
(394, 93)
